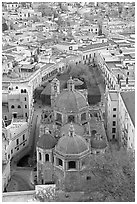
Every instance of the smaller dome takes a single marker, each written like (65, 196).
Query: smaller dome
(71, 144)
(46, 141)
(98, 143)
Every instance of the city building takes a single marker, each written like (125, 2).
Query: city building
(120, 117)
(17, 134)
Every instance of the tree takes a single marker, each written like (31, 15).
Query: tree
(117, 171)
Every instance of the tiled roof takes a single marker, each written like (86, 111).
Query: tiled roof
(129, 101)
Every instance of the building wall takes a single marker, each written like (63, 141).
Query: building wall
(112, 116)
(15, 147)
(126, 129)
(5, 175)
(45, 170)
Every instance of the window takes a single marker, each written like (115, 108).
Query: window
(25, 99)
(114, 123)
(90, 55)
(26, 115)
(18, 149)
(47, 157)
(71, 165)
(11, 151)
(40, 156)
(127, 73)
(83, 116)
(23, 137)
(8, 156)
(19, 106)
(114, 109)
(114, 116)
(83, 57)
(71, 118)
(60, 162)
(16, 87)
(25, 106)
(5, 117)
(113, 130)
(86, 56)
(59, 117)
(17, 141)
(12, 106)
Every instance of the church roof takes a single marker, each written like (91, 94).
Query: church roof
(71, 144)
(79, 130)
(70, 101)
(98, 143)
(46, 141)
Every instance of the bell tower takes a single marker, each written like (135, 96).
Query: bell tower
(55, 90)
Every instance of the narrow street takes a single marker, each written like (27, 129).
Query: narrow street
(21, 178)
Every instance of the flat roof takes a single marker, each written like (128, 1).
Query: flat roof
(113, 96)
(93, 46)
(129, 101)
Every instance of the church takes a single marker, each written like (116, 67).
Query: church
(70, 131)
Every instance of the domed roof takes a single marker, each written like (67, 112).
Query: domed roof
(71, 144)
(98, 142)
(46, 141)
(79, 130)
(70, 101)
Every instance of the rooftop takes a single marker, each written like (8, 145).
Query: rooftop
(129, 101)
(93, 46)
(113, 96)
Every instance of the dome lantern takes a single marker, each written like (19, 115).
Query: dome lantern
(71, 130)
(71, 85)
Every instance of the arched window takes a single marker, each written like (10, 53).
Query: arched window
(40, 156)
(47, 157)
(93, 132)
(21, 90)
(12, 106)
(16, 87)
(5, 117)
(19, 106)
(25, 106)
(25, 91)
(71, 165)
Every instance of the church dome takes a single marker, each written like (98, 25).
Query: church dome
(71, 144)
(70, 100)
(98, 143)
(46, 141)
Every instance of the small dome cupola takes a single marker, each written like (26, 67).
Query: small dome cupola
(71, 130)
(71, 85)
